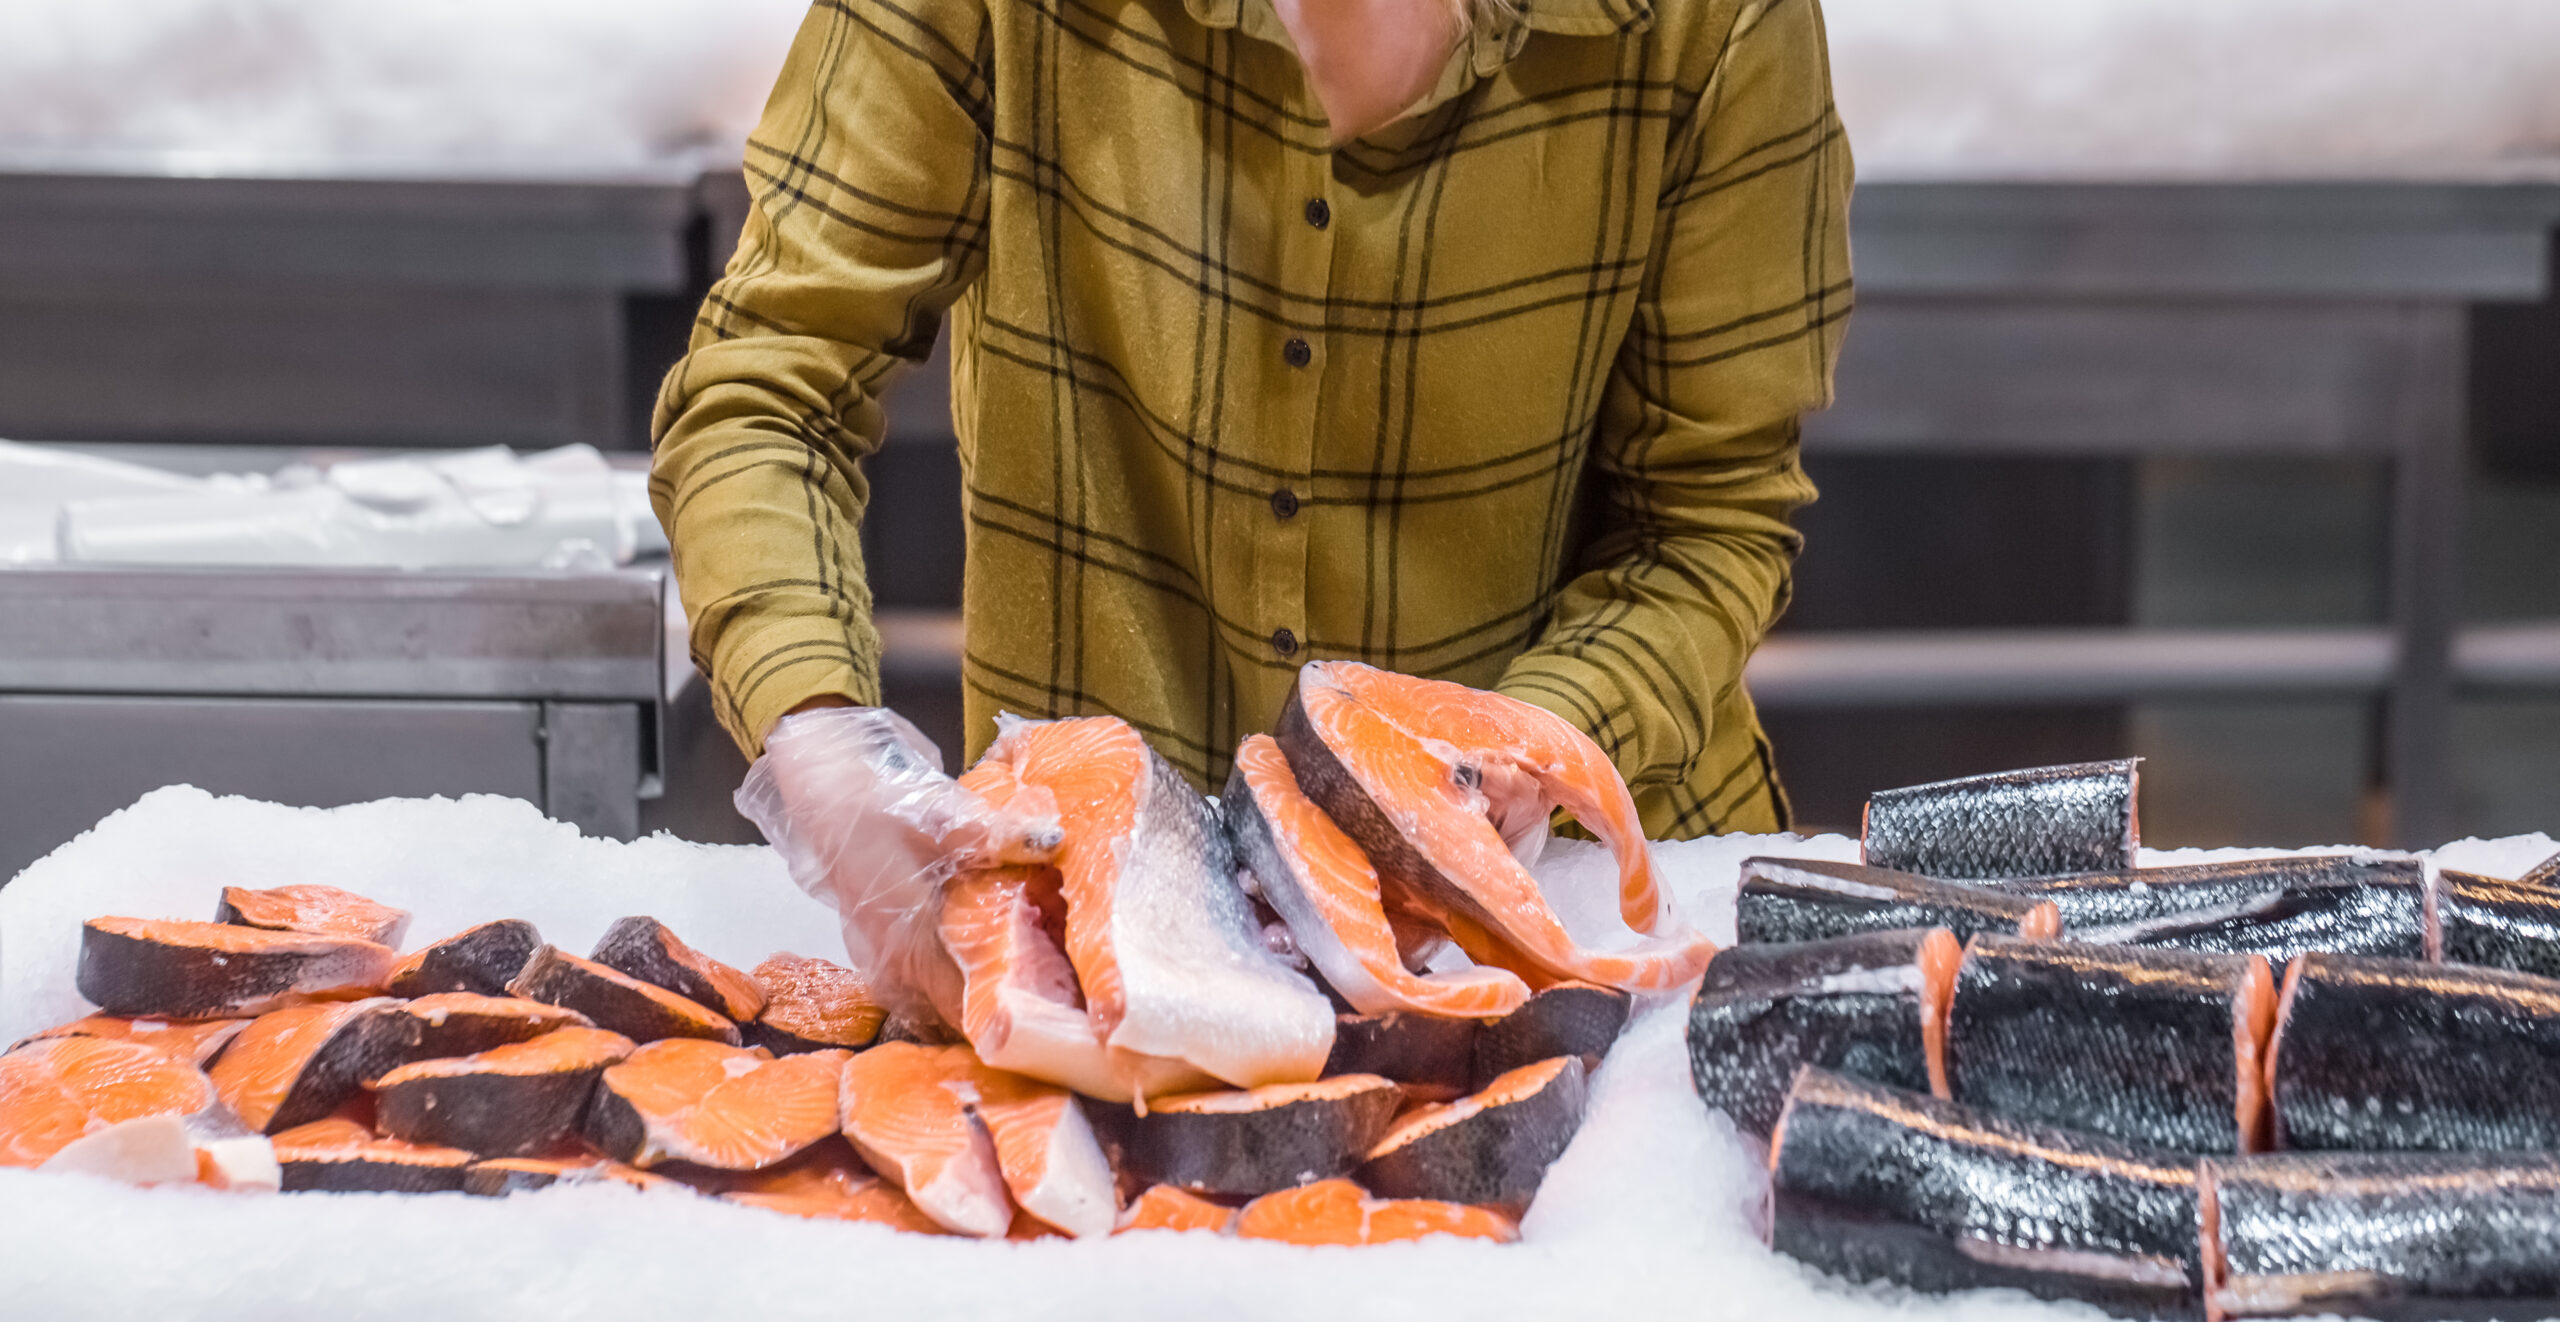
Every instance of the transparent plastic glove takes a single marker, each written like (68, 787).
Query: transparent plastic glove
(855, 800)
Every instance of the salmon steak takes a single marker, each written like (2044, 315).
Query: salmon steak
(1440, 783)
(508, 1101)
(482, 959)
(1491, 1149)
(2157, 1047)
(1243, 1144)
(912, 1112)
(830, 1183)
(1432, 1059)
(339, 1155)
(195, 1041)
(183, 970)
(1567, 1019)
(320, 910)
(1020, 1005)
(1053, 1164)
(1163, 1207)
(294, 1066)
(1164, 942)
(1872, 1005)
(1329, 895)
(464, 1023)
(2276, 907)
(2397, 1055)
(645, 949)
(712, 1104)
(641, 1011)
(2499, 924)
(812, 1005)
(1330, 1212)
(58, 1091)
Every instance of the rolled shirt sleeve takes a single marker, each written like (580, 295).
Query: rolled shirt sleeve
(856, 242)
(1695, 451)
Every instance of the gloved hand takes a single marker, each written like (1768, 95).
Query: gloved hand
(856, 802)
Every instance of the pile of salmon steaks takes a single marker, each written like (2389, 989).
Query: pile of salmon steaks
(1079, 1067)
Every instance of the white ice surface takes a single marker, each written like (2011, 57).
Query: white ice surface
(1649, 1213)
(1927, 87)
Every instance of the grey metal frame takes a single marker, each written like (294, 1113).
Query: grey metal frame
(2311, 319)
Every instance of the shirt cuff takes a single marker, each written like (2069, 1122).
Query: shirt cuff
(760, 673)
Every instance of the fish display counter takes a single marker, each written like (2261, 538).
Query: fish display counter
(268, 1042)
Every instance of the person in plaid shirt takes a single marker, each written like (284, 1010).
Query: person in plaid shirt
(1471, 344)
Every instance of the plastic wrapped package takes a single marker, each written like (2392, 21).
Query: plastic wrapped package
(487, 508)
(856, 802)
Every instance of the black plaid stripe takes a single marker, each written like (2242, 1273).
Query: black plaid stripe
(1562, 324)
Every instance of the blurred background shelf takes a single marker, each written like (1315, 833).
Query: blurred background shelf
(2260, 480)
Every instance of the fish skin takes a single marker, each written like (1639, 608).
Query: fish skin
(1162, 937)
(2388, 1055)
(1489, 1150)
(2387, 1235)
(1873, 1183)
(2029, 823)
(2499, 924)
(1805, 899)
(1331, 898)
(1440, 851)
(2133, 1044)
(2277, 907)
(2544, 873)
(1851, 1004)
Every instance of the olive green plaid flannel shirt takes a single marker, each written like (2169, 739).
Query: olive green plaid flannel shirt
(1505, 393)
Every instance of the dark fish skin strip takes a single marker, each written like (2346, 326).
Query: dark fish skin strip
(1804, 899)
(2133, 1044)
(1878, 1184)
(1850, 1004)
(2030, 823)
(2277, 907)
(2389, 1055)
(2499, 924)
(2544, 873)
(2388, 1235)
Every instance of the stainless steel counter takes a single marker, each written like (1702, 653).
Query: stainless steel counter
(326, 686)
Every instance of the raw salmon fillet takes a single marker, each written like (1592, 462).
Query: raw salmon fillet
(1163, 939)
(479, 959)
(1163, 1207)
(296, 1065)
(911, 1112)
(1326, 890)
(62, 1089)
(711, 1104)
(195, 1041)
(321, 910)
(1020, 1006)
(610, 998)
(139, 966)
(645, 949)
(513, 1100)
(1439, 783)
(1053, 1164)
(812, 1005)
(339, 1155)
(461, 1023)
(1339, 1212)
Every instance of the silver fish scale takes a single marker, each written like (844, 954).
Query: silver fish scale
(2390, 1234)
(2031, 823)
(2277, 907)
(2500, 924)
(2393, 1055)
(1875, 1183)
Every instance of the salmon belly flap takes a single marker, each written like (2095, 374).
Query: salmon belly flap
(1445, 788)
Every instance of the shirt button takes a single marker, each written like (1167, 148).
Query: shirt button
(1284, 642)
(1319, 212)
(1296, 353)
(1284, 503)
